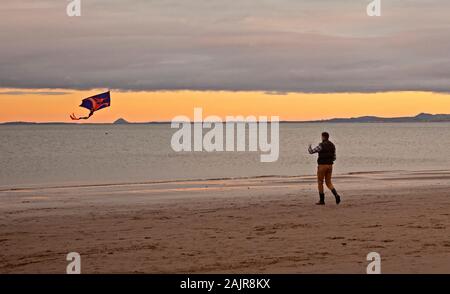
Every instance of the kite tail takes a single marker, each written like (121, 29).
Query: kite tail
(73, 117)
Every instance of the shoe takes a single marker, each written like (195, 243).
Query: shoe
(336, 196)
(338, 199)
(322, 199)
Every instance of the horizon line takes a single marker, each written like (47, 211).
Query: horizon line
(335, 119)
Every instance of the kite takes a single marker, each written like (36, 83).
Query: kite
(94, 103)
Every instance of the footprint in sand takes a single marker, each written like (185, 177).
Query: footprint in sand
(335, 238)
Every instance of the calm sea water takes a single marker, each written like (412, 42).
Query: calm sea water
(85, 154)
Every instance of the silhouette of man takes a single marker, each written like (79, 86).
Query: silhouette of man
(327, 156)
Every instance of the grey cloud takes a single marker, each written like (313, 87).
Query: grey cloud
(265, 45)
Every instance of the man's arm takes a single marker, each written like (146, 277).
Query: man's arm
(316, 149)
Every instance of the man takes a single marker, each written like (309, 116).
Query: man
(327, 156)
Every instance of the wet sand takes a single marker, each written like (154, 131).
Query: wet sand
(256, 225)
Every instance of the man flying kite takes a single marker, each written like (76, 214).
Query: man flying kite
(94, 103)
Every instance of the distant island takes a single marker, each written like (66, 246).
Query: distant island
(422, 117)
(120, 121)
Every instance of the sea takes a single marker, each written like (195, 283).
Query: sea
(58, 155)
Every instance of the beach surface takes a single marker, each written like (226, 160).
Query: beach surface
(245, 225)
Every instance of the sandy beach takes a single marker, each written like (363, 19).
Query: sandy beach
(254, 225)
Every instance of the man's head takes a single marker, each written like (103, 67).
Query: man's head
(325, 136)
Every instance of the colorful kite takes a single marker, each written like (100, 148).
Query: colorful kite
(94, 103)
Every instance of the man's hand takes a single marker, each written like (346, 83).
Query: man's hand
(314, 150)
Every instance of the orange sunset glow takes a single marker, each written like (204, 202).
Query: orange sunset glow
(56, 105)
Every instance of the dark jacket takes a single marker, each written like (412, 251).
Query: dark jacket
(327, 154)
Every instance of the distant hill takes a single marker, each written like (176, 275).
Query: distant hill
(422, 117)
(121, 121)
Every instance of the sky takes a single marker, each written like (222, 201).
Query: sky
(297, 59)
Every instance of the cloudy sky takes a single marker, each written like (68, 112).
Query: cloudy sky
(264, 46)
(268, 45)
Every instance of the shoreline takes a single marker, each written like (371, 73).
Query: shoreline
(24, 187)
